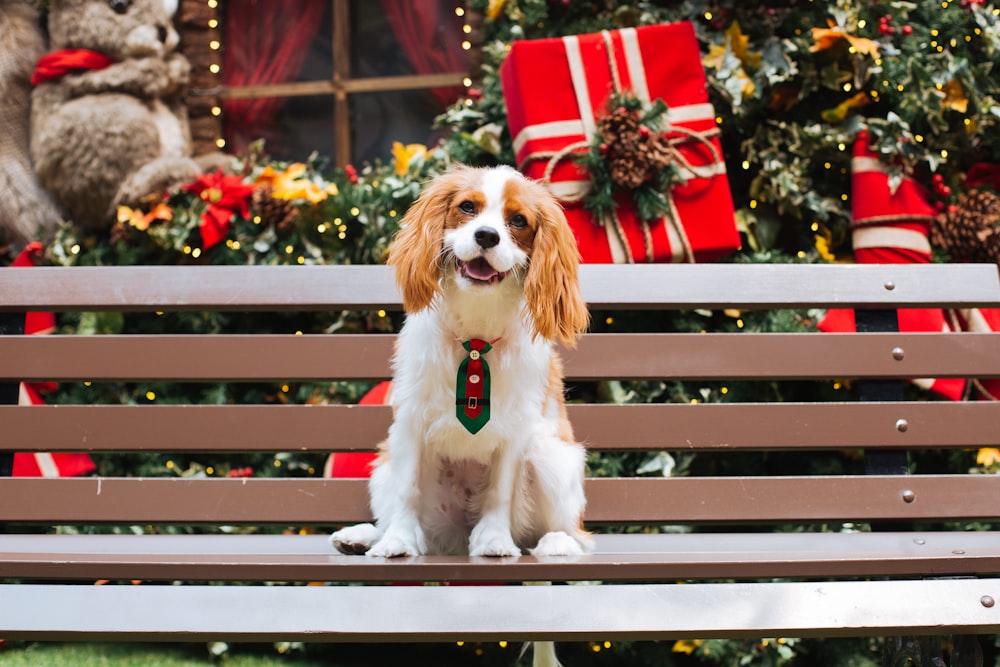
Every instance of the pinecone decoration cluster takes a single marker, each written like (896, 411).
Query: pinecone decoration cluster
(280, 213)
(970, 230)
(633, 151)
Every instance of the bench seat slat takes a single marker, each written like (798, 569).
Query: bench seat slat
(628, 557)
(724, 426)
(512, 613)
(631, 500)
(604, 287)
(599, 356)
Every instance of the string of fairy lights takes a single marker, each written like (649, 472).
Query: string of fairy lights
(215, 46)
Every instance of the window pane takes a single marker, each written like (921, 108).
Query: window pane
(287, 41)
(379, 119)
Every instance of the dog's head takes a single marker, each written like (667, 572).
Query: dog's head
(482, 229)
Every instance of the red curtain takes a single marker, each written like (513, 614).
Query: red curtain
(430, 34)
(267, 41)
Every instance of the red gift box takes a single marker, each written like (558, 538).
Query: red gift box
(891, 227)
(557, 88)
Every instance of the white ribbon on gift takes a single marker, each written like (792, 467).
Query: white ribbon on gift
(583, 127)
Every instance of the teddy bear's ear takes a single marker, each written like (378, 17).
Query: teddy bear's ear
(170, 6)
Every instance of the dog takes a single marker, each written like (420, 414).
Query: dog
(480, 458)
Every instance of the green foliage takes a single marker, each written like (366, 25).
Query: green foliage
(793, 84)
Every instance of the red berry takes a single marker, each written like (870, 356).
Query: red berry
(939, 206)
(937, 179)
(644, 131)
(945, 191)
(907, 29)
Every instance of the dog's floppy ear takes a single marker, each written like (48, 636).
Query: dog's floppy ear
(551, 287)
(416, 251)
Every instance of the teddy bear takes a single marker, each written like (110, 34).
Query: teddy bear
(26, 210)
(108, 121)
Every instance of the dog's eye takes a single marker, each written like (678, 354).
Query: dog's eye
(467, 207)
(518, 221)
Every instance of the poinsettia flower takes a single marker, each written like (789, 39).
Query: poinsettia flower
(405, 155)
(141, 221)
(825, 38)
(226, 195)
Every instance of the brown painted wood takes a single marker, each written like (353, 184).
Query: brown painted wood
(605, 287)
(285, 358)
(712, 426)
(616, 558)
(676, 500)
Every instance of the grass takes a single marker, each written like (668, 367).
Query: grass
(142, 655)
(56, 654)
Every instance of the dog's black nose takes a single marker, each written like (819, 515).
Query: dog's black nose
(487, 237)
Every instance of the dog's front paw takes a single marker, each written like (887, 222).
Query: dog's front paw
(492, 543)
(557, 543)
(396, 543)
(355, 540)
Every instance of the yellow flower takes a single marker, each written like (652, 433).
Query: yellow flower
(494, 9)
(404, 155)
(823, 247)
(988, 456)
(686, 646)
(142, 221)
(838, 113)
(292, 184)
(954, 97)
(737, 42)
(824, 38)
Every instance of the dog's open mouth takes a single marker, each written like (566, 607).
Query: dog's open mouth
(478, 270)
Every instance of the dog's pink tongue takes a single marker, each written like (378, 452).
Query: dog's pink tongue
(480, 269)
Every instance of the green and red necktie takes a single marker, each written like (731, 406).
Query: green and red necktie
(472, 389)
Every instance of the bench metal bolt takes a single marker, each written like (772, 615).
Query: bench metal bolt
(909, 496)
(987, 601)
(902, 425)
(897, 353)
(889, 285)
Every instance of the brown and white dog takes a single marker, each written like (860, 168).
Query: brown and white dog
(480, 457)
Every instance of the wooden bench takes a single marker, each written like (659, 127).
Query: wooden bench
(747, 573)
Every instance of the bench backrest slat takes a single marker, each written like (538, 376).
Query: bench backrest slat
(237, 288)
(285, 358)
(671, 426)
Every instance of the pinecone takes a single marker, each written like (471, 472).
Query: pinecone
(970, 232)
(278, 212)
(634, 153)
(620, 134)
